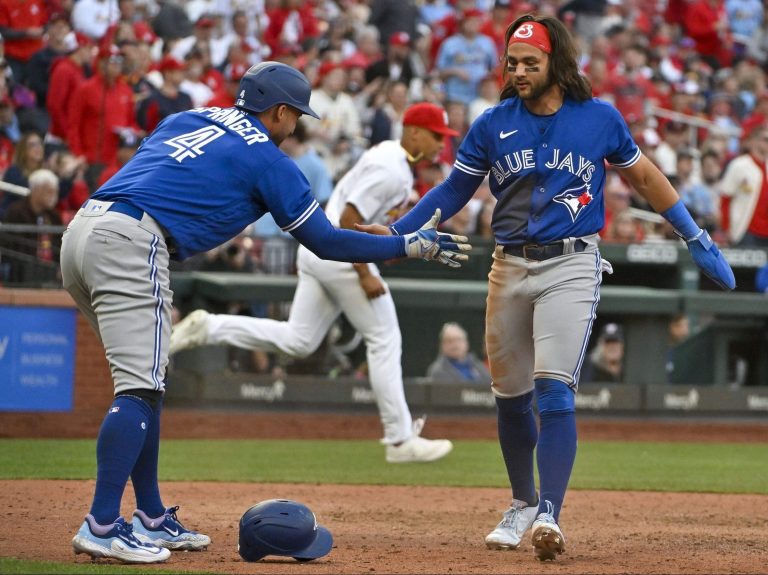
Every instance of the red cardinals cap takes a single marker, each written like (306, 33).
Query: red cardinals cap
(109, 51)
(75, 40)
(169, 63)
(205, 22)
(236, 72)
(327, 67)
(533, 34)
(356, 60)
(429, 116)
(473, 13)
(400, 39)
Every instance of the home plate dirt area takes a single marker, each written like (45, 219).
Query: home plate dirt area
(413, 529)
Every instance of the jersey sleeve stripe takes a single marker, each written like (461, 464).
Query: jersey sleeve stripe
(469, 170)
(302, 218)
(631, 162)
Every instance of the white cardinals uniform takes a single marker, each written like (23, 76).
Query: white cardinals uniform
(377, 186)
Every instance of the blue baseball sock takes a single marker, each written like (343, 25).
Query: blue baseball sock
(517, 437)
(120, 441)
(144, 474)
(556, 450)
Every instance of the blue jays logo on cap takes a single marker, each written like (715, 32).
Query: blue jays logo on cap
(575, 199)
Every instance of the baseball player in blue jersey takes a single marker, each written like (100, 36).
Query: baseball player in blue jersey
(545, 146)
(200, 178)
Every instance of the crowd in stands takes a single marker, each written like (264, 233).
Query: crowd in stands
(82, 81)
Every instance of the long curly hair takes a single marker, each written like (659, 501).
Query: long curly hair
(563, 60)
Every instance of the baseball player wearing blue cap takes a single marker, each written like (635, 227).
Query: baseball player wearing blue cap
(545, 146)
(200, 178)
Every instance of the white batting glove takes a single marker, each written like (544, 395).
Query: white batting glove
(429, 244)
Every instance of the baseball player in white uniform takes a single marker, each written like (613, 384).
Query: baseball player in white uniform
(374, 191)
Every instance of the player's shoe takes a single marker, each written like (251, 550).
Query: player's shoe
(417, 449)
(548, 540)
(117, 541)
(515, 522)
(166, 531)
(192, 331)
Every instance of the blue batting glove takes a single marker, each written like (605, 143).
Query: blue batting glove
(429, 244)
(710, 261)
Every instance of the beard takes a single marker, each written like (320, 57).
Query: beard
(536, 92)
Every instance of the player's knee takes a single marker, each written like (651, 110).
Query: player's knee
(554, 396)
(300, 348)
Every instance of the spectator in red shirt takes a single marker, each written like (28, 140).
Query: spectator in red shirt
(7, 146)
(759, 115)
(707, 23)
(293, 22)
(211, 77)
(496, 26)
(101, 107)
(630, 84)
(128, 16)
(67, 74)
(224, 97)
(22, 25)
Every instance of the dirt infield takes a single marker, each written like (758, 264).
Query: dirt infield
(412, 529)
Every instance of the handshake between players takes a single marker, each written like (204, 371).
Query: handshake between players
(427, 243)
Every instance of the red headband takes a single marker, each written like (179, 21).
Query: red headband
(534, 34)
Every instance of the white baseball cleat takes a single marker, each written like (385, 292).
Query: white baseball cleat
(167, 531)
(116, 541)
(192, 331)
(418, 449)
(548, 540)
(516, 521)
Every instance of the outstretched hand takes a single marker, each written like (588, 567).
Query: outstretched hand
(710, 261)
(429, 244)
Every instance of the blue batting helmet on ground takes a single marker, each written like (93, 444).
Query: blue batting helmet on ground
(271, 83)
(282, 527)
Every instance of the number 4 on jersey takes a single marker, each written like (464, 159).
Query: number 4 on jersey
(191, 144)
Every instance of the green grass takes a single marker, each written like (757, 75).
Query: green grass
(699, 467)
(10, 566)
(691, 467)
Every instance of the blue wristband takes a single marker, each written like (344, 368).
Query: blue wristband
(681, 220)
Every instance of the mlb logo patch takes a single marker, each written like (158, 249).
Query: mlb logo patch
(114, 409)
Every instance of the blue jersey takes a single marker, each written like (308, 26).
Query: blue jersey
(547, 172)
(206, 174)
